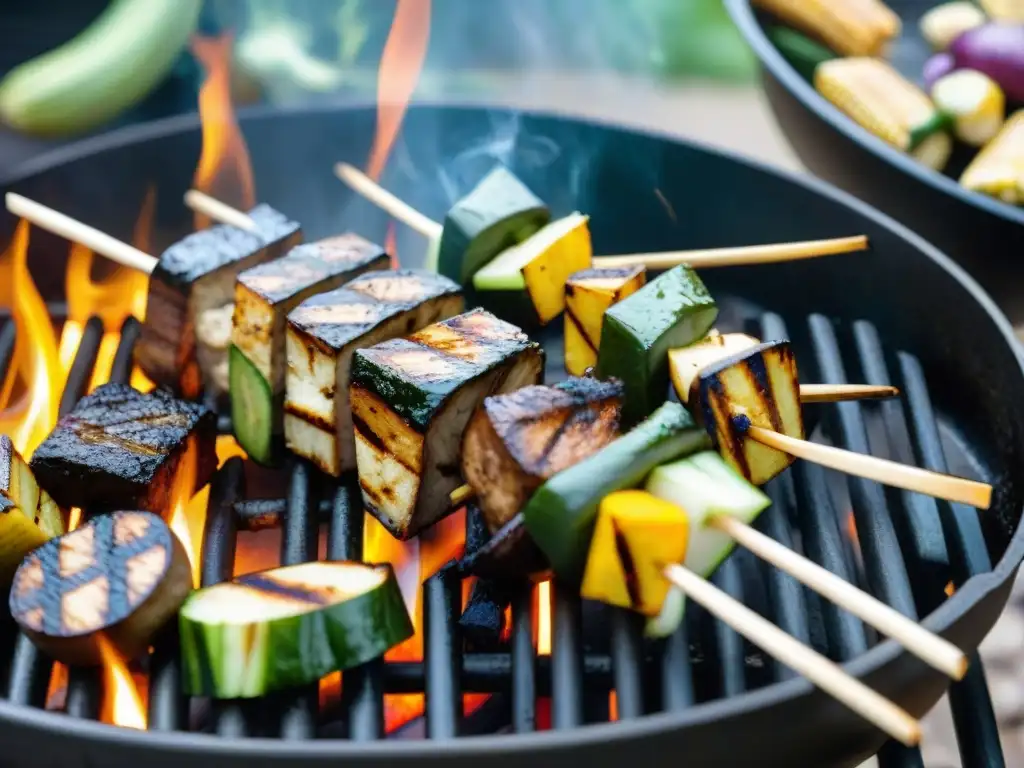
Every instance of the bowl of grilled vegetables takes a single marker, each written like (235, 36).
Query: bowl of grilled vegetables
(916, 106)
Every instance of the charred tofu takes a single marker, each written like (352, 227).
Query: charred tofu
(411, 401)
(121, 449)
(264, 295)
(28, 514)
(757, 386)
(184, 342)
(685, 363)
(588, 294)
(516, 441)
(322, 334)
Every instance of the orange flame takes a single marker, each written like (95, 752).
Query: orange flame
(400, 65)
(224, 170)
(122, 701)
(35, 366)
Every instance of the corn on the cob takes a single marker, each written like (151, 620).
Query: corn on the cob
(998, 170)
(1004, 10)
(884, 102)
(975, 103)
(849, 27)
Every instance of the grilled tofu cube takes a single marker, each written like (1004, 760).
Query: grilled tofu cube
(588, 294)
(685, 363)
(526, 282)
(184, 348)
(322, 334)
(121, 449)
(516, 441)
(411, 401)
(28, 515)
(758, 386)
(264, 295)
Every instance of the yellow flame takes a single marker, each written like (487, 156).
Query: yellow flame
(544, 618)
(122, 702)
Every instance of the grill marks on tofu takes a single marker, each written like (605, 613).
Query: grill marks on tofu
(411, 401)
(179, 347)
(119, 448)
(324, 332)
(516, 441)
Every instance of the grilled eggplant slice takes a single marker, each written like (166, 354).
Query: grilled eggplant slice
(760, 387)
(192, 278)
(411, 401)
(526, 283)
(516, 441)
(288, 626)
(588, 294)
(264, 295)
(496, 215)
(28, 515)
(673, 310)
(120, 449)
(686, 363)
(322, 334)
(120, 576)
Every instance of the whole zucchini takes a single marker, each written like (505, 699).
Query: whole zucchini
(108, 67)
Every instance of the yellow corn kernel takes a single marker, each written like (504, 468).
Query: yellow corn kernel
(998, 170)
(849, 27)
(974, 101)
(888, 105)
(1004, 10)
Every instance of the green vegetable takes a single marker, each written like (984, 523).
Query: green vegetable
(288, 626)
(803, 53)
(674, 310)
(252, 409)
(560, 516)
(107, 68)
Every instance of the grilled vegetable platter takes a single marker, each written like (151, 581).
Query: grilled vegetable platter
(389, 379)
(970, 92)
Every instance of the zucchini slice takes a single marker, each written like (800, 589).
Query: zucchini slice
(758, 386)
(28, 515)
(323, 333)
(120, 576)
(588, 294)
(686, 363)
(540, 265)
(412, 399)
(516, 441)
(673, 310)
(252, 408)
(560, 516)
(496, 215)
(288, 626)
(636, 536)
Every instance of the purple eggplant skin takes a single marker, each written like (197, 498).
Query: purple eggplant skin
(938, 66)
(996, 50)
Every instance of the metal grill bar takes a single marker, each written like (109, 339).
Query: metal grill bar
(627, 661)
(441, 651)
(524, 683)
(566, 660)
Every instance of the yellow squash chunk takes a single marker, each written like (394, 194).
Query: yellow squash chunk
(635, 537)
(1004, 10)
(686, 362)
(998, 170)
(28, 515)
(975, 103)
(849, 27)
(587, 295)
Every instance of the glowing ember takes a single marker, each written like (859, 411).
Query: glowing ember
(613, 707)
(122, 701)
(330, 690)
(224, 169)
(543, 623)
(35, 374)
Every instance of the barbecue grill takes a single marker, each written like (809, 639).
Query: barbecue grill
(704, 695)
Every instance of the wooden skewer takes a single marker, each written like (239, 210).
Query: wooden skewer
(932, 649)
(948, 487)
(698, 259)
(835, 393)
(222, 212)
(822, 672)
(74, 230)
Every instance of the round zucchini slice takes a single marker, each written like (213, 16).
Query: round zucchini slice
(288, 626)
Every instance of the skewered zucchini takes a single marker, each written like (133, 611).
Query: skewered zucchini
(635, 537)
(288, 626)
(588, 294)
(28, 515)
(516, 441)
(411, 401)
(673, 310)
(998, 170)
(196, 277)
(561, 513)
(322, 334)
(526, 283)
(264, 295)
(760, 387)
(851, 27)
(496, 215)
(120, 576)
(686, 363)
(121, 449)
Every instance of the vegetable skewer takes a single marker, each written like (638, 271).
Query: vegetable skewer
(698, 259)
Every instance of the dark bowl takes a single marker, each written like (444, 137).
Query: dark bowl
(644, 192)
(983, 234)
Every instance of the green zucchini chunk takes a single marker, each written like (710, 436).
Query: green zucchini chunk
(252, 409)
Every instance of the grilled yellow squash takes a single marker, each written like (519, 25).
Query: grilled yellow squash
(587, 295)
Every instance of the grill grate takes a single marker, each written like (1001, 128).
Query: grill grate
(909, 547)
